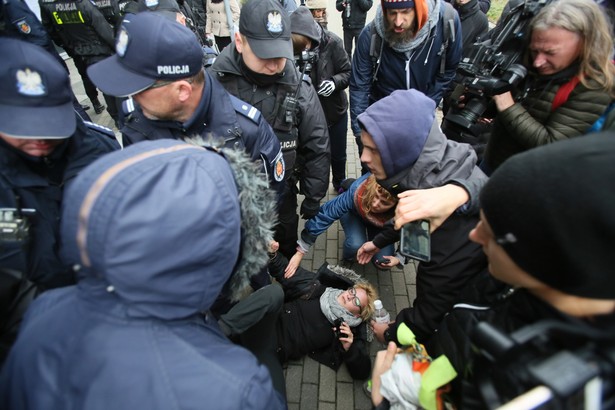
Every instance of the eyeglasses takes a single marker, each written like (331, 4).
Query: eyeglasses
(355, 299)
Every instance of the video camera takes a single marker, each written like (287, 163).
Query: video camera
(492, 67)
(305, 61)
(547, 365)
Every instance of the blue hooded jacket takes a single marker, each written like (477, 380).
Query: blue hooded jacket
(155, 231)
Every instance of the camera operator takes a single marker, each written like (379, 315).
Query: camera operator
(570, 82)
(330, 76)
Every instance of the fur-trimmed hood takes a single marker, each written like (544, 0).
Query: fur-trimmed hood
(159, 225)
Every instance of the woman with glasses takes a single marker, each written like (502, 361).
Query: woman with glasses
(321, 314)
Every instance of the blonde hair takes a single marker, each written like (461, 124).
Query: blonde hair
(367, 311)
(373, 190)
(585, 18)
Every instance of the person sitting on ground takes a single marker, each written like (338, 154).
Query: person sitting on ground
(298, 318)
(156, 230)
(548, 233)
(362, 209)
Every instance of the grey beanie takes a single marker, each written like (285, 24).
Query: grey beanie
(551, 209)
(302, 22)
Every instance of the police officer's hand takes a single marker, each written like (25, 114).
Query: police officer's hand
(309, 208)
(326, 88)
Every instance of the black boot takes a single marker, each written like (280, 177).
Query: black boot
(98, 107)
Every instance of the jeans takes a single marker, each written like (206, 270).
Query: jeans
(357, 233)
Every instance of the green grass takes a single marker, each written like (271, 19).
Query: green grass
(495, 10)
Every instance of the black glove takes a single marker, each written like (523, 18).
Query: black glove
(309, 208)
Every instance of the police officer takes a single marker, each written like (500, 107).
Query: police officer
(43, 145)
(81, 29)
(18, 21)
(259, 68)
(159, 64)
(175, 10)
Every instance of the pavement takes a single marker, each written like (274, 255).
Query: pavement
(309, 384)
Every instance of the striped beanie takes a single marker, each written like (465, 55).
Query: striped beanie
(397, 4)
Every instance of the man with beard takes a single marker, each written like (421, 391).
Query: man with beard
(258, 68)
(410, 44)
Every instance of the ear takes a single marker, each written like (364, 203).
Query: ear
(184, 90)
(238, 42)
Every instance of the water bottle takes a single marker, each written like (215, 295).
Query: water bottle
(380, 314)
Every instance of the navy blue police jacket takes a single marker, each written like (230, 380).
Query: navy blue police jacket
(25, 182)
(220, 115)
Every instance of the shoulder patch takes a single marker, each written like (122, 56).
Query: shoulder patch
(279, 167)
(128, 106)
(245, 109)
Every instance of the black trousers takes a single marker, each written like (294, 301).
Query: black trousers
(254, 320)
(288, 223)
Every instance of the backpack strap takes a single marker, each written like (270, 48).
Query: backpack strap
(564, 92)
(375, 49)
(448, 32)
(599, 124)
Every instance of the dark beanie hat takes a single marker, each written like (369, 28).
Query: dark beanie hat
(552, 209)
(398, 4)
(302, 22)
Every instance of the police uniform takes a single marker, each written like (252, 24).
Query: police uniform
(18, 21)
(110, 9)
(169, 8)
(301, 128)
(36, 103)
(219, 114)
(82, 30)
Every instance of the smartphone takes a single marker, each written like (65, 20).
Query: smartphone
(416, 240)
(383, 261)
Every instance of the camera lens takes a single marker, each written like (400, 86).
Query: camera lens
(470, 114)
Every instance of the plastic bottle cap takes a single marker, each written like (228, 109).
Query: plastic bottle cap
(378, 304)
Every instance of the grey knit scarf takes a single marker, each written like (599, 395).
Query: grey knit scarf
(332, 309)
(421, 36)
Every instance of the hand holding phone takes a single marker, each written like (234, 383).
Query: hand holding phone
(383, 261)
